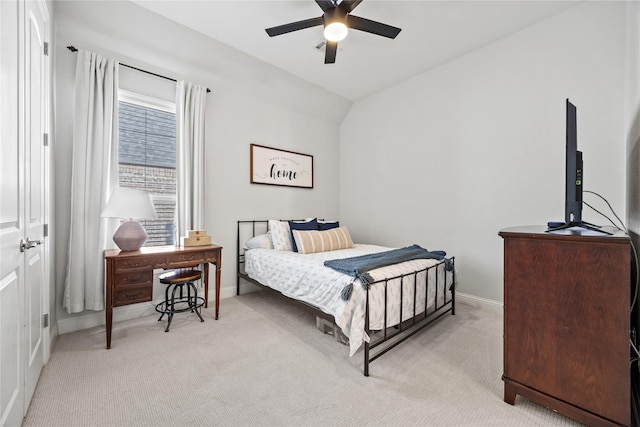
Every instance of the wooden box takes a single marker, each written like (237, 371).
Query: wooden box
(197, 238)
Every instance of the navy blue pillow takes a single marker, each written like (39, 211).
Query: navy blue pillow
(309, 225)
(328, 225)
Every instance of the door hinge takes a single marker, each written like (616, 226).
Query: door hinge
(46, 48)
(45, 139)
(45, 230)
(45, 320)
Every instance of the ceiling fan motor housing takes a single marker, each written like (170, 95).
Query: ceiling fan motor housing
(336, 14)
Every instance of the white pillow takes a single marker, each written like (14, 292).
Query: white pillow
(280, 235)
(261, 241)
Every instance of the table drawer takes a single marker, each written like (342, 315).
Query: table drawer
(133, 263)
(184, 260)
(132, 295)
(130, 278)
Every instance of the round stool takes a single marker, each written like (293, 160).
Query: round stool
(176, 281)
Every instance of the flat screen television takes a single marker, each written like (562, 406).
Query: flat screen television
(573, 178)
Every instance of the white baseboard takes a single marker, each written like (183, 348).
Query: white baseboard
(54, 331)
(127, 312)
(93, 319)
(475, 301)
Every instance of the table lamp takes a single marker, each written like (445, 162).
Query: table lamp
(133, 204)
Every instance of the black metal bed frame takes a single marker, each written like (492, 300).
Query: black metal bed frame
(383, 340)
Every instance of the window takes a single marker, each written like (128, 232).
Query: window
(147, 158)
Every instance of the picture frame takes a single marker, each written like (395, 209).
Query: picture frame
(274, 166)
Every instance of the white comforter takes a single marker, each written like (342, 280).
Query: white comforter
(304, 277)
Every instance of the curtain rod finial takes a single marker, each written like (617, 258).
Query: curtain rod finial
(72, 48)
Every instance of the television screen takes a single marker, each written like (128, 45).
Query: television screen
(573, 178)
(573, 170)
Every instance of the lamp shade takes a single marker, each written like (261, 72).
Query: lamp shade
(129, 203)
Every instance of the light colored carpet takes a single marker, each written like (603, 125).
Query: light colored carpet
(264, 363)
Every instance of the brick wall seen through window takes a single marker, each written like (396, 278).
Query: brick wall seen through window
(147, 161)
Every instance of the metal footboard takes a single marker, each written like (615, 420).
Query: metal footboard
(389, 336)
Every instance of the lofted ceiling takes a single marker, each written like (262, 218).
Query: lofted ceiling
(433, 32)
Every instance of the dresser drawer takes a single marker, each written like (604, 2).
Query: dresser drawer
(126, 279)
(132, 295)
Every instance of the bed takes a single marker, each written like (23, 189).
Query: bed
(398, 301)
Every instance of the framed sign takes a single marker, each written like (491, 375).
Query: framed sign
(273, 166)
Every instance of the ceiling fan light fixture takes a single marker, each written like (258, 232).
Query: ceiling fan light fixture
(335, 31)
(336, 20)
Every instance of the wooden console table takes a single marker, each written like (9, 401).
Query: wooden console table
(130, 274)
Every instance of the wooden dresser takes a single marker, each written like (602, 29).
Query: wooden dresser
(566, 323)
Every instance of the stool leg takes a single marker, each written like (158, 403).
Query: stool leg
(166, 301)
(194, 302)
(189, 297)
(173, 306)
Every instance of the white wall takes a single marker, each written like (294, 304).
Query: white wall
(632, 114)
(632, 128)
(452, 156)
(250, 102)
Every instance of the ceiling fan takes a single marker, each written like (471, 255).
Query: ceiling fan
(337, 19)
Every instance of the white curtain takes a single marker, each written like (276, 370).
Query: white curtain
(190, 108)
(93, 178)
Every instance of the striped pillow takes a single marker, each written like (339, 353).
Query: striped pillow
(312, 241)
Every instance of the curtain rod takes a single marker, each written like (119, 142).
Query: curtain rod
(74, 49)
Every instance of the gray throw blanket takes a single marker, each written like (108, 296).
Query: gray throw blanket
(359, 267)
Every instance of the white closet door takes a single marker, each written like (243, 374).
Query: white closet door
(35, 126)
(11, 219)
(24, 81)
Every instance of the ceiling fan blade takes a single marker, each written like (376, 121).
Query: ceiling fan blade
(293, 26)
(349, 5)
(326, 4)
(330, 52)
(373, 27)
